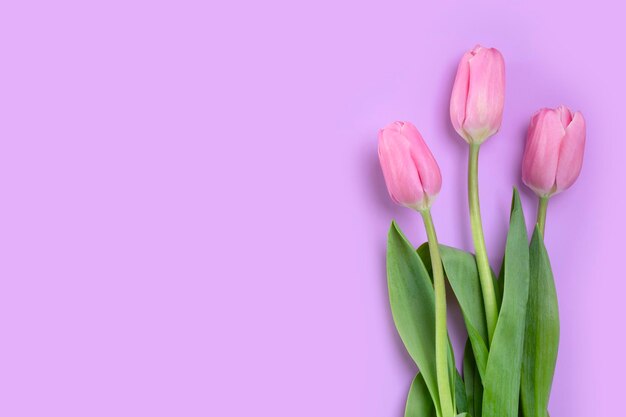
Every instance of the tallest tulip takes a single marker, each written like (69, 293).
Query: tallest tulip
(476, 112)
(478, 94)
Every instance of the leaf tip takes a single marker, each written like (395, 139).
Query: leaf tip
(394, 227)
(516, 198)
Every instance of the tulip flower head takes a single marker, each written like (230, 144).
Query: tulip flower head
(478, 95)
(554, 150)
(411, 173)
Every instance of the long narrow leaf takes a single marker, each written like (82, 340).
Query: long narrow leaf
(412, 300)
(452, 372)
(423, 252)
(460, 394)
(481, 354)
(462, 273)
(419, 403)
(473, 384)
(541, 341)
(503, 374)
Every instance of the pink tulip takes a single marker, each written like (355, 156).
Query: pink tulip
(554, 150)
(411, 173)
(478, 94)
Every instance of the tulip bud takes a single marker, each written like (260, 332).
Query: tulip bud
(554, 150)
(411, 173)
(478, 95)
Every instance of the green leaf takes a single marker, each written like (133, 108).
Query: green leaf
(498, 285)
(463, 415)
(462, 273)
(419, 403)
(503, 373)
(473, 384)
(463, 276)
(412, 300)
(452, 372)
(541, 341)
(424, 253)
(460, 394)
(481, 354)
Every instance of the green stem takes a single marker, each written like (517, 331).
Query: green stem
(441, 331)
(484, 270)
(541, 214)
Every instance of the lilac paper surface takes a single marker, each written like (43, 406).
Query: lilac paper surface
(193, 220)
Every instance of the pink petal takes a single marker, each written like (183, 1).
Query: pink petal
(401, 175)
(543, 142)
(571, 153)
(458, 98)
(427, 167)
(485, 97)
(566, 115)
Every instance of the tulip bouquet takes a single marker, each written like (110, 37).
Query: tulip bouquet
(511, 318)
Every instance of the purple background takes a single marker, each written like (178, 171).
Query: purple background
(193, 220)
